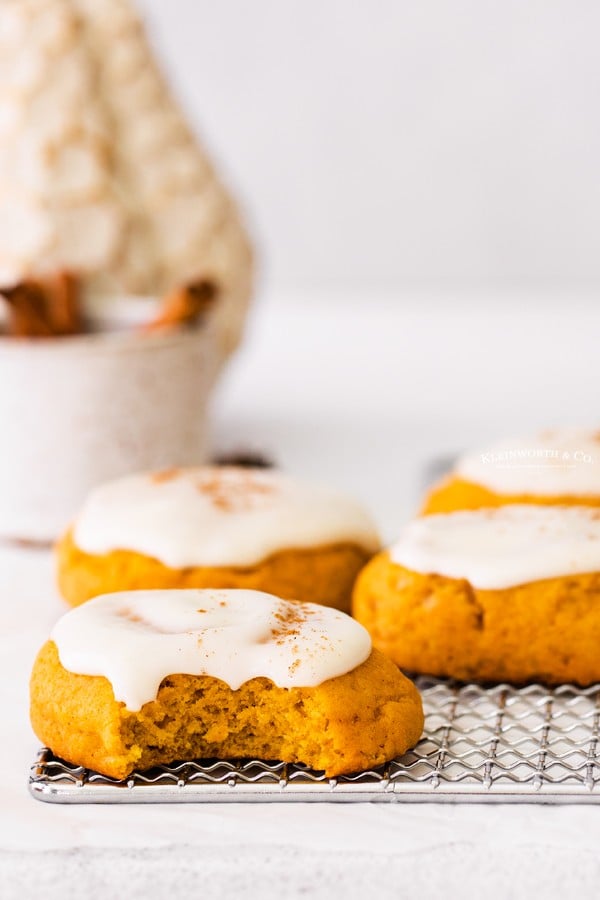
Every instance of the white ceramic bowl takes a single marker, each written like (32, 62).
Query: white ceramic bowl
(77, 411)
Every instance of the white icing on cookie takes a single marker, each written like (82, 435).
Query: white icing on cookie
(218, 516)
(553, 463)
(135, 639)
(500, 548)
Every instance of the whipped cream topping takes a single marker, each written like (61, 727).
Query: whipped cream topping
(135, 639)
(217, 516)
(500, 548)
(552, 463)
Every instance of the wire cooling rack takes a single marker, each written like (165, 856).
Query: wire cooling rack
(481, 744)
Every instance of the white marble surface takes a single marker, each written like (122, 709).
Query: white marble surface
(364, 401)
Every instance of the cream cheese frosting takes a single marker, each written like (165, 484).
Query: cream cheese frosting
(552, 463)
(217, 516)
(503, 547)
(135, 639)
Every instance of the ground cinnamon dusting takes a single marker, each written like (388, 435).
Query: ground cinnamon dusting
(126, 613)
(134, 618)
(233, 490)
(290, 618)
(164, 475)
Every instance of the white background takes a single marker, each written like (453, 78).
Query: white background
(384, 146)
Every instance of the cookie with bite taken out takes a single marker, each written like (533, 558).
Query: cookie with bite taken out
(137, 679)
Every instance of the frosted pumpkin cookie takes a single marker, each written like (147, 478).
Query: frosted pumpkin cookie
(554, 467)
(142, 678)
(511, 594)
(222, 527)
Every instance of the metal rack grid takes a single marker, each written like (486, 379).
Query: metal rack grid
(481, 744)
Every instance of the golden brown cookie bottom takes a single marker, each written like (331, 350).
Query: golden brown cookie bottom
(454, 494)
(346, 724)
(322, 575)
(546, 631)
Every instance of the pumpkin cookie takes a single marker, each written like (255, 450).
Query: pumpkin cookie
(138, 679)
(223, 527)
(511, 594)
(554, 467)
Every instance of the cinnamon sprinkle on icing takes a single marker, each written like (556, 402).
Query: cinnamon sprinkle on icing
(209, 516)
(136, 639)
(164, 475)
(237, 494)
(129, 615)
